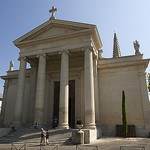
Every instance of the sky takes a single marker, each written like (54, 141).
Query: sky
(128, 18)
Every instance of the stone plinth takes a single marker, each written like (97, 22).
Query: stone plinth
(78, 137)
(90, 135)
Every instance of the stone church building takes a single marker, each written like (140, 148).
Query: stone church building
(70, 80)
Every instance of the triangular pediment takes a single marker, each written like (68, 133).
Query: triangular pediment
(54, 28)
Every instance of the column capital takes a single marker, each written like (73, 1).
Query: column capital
(96, 56)
(41, 55)
(22, 57)
(87, 48)
(64, 51)
(100, 53)
(32, 64)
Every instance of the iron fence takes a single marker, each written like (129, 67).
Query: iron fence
(56, 147)
(31, 145)
(89, 147)
(132, 147)
(18, 146)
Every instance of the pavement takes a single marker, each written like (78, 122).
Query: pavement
(29, 139)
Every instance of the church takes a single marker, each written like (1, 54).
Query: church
(69, 79)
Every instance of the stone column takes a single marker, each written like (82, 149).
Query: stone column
(4, 101)
(20, 91)
(96, 90)
(64, 91)
(89, 90)
(32, 97)
(40, 90)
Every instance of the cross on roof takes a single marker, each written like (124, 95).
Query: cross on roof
(52, 11)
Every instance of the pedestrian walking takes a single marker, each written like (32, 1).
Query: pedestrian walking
(43, 137)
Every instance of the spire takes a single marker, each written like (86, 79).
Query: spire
(116, 49)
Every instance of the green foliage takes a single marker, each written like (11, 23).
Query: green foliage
(79, 122)
(124, 118)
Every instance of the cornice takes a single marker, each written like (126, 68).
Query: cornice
(14, 74)
(144, 62)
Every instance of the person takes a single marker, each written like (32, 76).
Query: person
(36, 126)
(11, 126)
(43, 137)
(55, 122)
(47, 136)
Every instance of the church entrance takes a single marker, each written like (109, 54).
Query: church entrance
(71, 109)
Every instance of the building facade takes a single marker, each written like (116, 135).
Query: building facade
(70, 80)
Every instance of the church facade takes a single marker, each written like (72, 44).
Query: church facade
(70, 80)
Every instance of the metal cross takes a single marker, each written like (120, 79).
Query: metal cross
(52, 11)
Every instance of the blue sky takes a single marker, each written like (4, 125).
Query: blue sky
(129, 19)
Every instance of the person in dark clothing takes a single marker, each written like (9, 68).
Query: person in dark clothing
(12, 127)
(47, 136)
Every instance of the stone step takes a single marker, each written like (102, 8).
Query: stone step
(26, 135)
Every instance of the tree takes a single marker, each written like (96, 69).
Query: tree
(124, 118)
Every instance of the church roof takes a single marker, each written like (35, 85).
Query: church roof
(116, 49)
(71, 27)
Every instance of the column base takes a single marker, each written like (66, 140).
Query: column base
(63, 126)
(90, 126)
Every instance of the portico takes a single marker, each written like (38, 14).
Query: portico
(85, 66)
(59, 51)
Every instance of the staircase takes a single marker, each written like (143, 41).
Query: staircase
(28, 135)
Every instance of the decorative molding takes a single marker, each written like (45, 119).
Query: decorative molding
(64, 51)
(96, 56)
(79, 74)
(90, 48)
(31, 62)
(41, 55)
(22, 57)
(100, 54)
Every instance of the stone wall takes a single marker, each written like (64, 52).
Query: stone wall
(111, 83)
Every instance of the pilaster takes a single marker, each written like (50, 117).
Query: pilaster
(97, 116)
